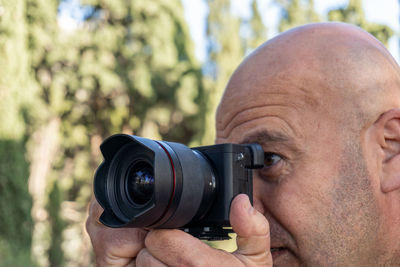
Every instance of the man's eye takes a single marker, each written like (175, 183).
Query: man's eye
(270, 159)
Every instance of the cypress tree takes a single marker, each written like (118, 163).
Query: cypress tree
(44, 127)
(295, 13)
(225, 51)
(15, 98)
(353, 13)
(130, 68)
(257, 29)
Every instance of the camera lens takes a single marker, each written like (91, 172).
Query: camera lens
(140, 182)
(154, 184)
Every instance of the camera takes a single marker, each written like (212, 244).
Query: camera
(158, 184)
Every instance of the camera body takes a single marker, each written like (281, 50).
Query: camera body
(158, 184)
(232, 165)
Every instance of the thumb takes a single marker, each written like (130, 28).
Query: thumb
(252, 229)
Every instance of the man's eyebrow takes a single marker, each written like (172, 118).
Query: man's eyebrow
(264, 136)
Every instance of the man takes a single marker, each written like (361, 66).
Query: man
(324, 102)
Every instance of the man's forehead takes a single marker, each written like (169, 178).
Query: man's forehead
(289, 91)
(270, 74)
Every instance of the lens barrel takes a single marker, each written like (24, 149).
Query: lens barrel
(155, 184)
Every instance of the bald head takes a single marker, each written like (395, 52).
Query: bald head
(333, 66)
(323, 100)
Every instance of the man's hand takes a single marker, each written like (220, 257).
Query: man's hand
(132, 247)
(176, 248)
(113, 247)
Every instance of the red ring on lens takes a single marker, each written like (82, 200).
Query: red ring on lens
(174, 181)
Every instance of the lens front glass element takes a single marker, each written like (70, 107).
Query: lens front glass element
(140, 182)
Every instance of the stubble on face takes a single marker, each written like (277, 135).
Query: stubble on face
(352, 227)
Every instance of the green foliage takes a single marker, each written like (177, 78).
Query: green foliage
(15, 96)
(14, 255)
(119, 72)
(134, 74)
(256, 30)
(15, 91)
(353, 13)
(295, 13)
(225, 53)
(15, 203)
(259, 31)
(56, 255)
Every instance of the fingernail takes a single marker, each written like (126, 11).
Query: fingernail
(249, 207)
(251, 210)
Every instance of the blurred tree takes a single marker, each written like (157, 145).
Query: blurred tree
(257, 30)
(225, 51)
(354, 14)
(56, 255)
(44, 127)
(129, 67)
(16, 96)
(295, 13)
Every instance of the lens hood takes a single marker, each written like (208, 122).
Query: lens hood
(174, 200)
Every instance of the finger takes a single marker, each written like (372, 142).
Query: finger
(95, 210)
(177, 248)
(252, 229)
(144, 258)
(112, 246)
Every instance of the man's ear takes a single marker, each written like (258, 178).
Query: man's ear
(389, 139)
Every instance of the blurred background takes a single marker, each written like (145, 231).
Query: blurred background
(73, 72)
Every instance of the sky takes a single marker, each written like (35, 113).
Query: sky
(382, 11)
